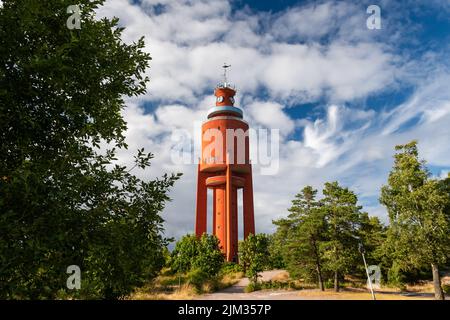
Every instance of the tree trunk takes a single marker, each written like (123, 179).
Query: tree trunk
(336, 281)
(319, 277)
(438, 293)
(318, 269)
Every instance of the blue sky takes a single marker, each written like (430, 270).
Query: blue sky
(341, 95)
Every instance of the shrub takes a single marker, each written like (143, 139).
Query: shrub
(203, 254)
(446, 288)
(252, 286)
(230, 268)
(254, 255)
(209, 258)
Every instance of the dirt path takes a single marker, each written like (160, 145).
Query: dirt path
(236, 292)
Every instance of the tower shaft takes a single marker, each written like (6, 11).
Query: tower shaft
(225, 168)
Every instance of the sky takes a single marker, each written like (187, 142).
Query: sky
(341, 95)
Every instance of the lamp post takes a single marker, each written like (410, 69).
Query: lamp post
(361, 250)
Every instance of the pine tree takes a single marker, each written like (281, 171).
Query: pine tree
(305, 228)
(343, 218)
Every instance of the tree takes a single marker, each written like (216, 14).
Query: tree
(254, 255)
(305, 231)
(202, 254)
(372, 235)
(343, 219)
(419, 229)
(182, 257)
(210, 258)
(276, 251)
(63, 199)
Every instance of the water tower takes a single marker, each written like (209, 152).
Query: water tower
(225, 168)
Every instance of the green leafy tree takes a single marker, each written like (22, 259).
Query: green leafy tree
(202, 254)
(304, 231)
(419, 229)
(276, 260)
(63, 200)
(343, 219)
(186, 249)
(372, 234)
(254, 255)
(209, 259)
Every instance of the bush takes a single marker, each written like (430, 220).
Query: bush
(254, 255)
(196, 277)
(252, 286)
(230, 268)
(186, 249)
(202, 254)
(396, 277)
(446, 288)
(209, 258)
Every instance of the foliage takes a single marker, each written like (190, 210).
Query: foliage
(276, 260)
(63, 200)
(209, 259)
(203, 255)
(196, 277)
(254, 255)
(320, 238)
(303, 232)
(419, 229)
(230, 268)
(252, 286)
(186, 250)
(343, 219)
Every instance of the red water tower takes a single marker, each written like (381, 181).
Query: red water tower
(225, 167)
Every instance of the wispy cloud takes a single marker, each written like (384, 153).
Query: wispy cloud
(279, 61)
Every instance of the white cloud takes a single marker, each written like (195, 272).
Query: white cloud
(188, 42)
(270, 115)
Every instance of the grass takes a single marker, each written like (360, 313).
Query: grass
(178, 287)
(173, 287)
(348, 294)
(351, 289)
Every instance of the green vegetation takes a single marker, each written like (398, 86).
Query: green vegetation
(201, 257)
(418, 207)
(319, 239)
(195, 266)
(63, 201)
(254, 255)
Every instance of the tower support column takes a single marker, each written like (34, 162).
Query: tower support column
(201, 204)
(229, 226)
(249, 217)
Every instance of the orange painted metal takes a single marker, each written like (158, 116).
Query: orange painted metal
(225, 167)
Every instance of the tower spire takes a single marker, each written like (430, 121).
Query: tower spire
(225, 68)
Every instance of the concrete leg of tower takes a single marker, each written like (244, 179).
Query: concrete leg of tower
(214, 213)
(201, 204)
(249, 216)
(219, 213)
(234, 225)
(228, 194)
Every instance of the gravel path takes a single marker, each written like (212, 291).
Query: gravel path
(236, 292)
